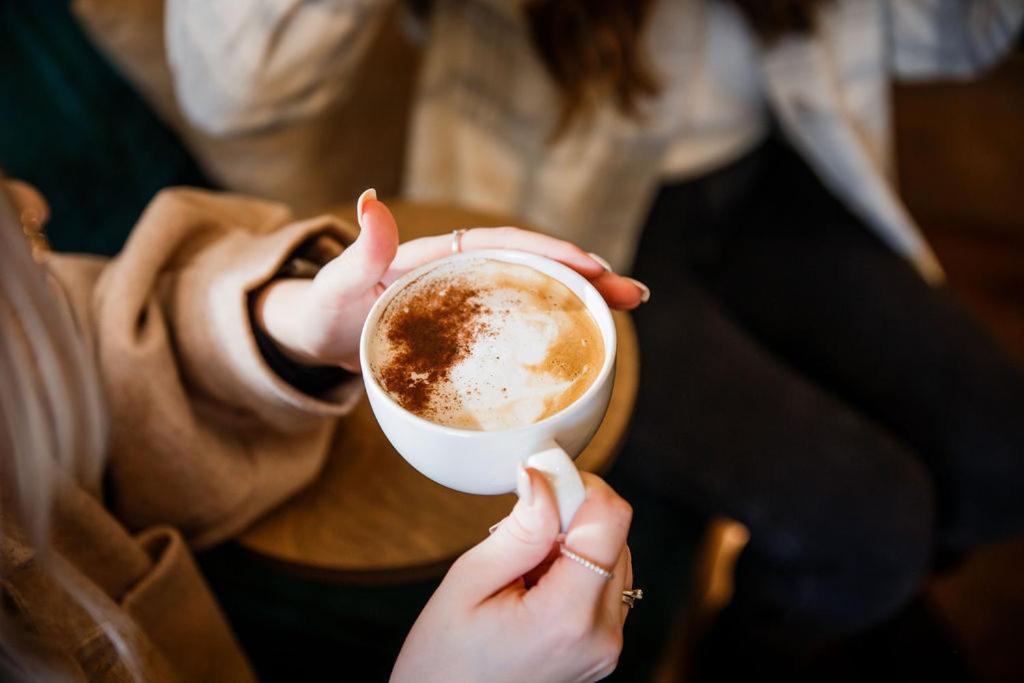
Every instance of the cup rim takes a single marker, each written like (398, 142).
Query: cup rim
(603, 317)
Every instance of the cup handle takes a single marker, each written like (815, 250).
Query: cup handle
(561, 473)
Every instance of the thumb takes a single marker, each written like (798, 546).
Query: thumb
(360, 267)
(522, 541)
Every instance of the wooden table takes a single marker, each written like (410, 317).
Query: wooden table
(370, 517)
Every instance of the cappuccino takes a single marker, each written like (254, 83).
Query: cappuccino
(486, 345)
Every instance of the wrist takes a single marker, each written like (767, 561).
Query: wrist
(279, 314)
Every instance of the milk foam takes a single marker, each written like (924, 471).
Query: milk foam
(533, 348)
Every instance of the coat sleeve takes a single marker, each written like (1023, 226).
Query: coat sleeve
(244, 65)
(205, 436)
(950, 38)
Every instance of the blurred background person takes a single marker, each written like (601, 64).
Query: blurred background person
(805, 370)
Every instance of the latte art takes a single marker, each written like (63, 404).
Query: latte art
(486, 345)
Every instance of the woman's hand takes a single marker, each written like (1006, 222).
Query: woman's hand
(561, 623)
(318, 321)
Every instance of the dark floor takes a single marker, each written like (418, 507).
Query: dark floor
(962, 174)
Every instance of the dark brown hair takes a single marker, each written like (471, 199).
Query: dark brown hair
(592, 48)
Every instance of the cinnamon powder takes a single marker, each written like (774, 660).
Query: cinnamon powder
(431, 333)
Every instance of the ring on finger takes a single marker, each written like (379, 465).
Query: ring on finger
(631, 597)
(606, 574)
(457, 240)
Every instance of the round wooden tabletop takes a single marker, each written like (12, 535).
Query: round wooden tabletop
(370, 517)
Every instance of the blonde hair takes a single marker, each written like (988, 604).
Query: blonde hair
(52, 419)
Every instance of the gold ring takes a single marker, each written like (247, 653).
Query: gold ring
(579, 559)
(457, 240)
(631, 597)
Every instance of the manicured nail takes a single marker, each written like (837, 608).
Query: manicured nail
(366, 196)
(602, 261)
(646, 296)
(523, 486)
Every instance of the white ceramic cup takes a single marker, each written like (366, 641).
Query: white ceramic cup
(485, 462)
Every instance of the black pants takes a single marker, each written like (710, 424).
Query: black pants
(799, 376)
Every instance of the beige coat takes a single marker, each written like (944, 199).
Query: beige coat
(204, 437)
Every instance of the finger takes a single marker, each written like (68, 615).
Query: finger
(535, 243)
(616, 609)
(620, 292)
(519, 544)
(362, 265)
(597, 533)
(531, 577)
(416, 252)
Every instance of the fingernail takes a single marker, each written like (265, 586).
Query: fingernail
(602, 261)
(366, 196)
(494, 527)
(523, 486)
(646, 296)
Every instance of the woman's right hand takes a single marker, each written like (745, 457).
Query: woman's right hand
(513, 609)
(318, 321)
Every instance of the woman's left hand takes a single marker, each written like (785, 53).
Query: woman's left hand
(513, 609)
(318, 321)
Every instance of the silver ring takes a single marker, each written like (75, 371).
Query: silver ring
(457, 240)
(632, 596)
(579, 559)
